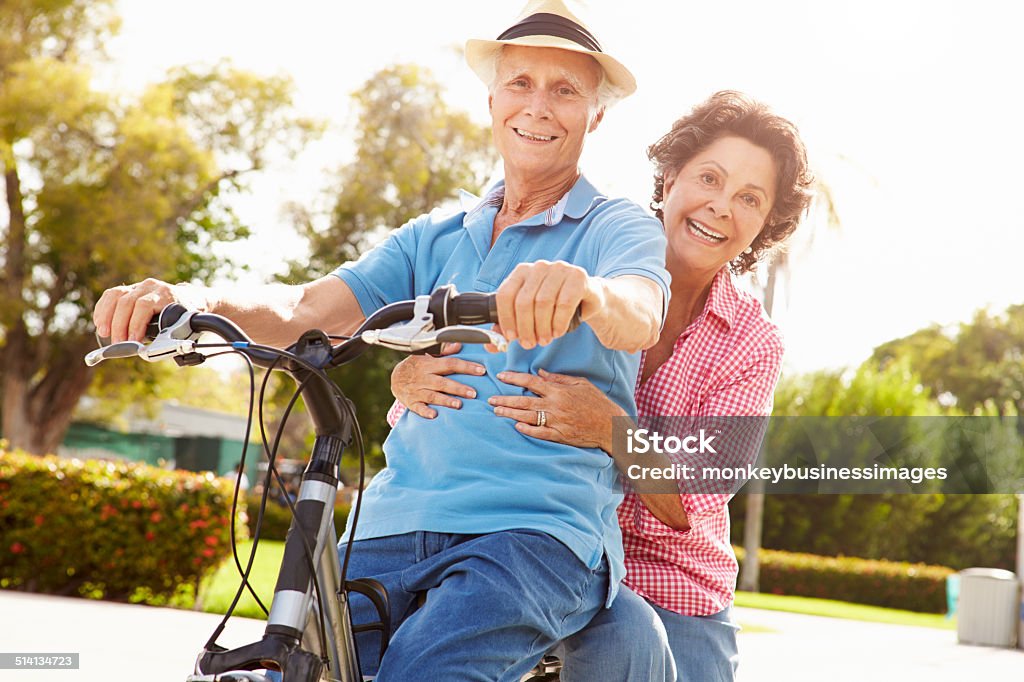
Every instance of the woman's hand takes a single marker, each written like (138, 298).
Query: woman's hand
(419, 381)
(575, 411)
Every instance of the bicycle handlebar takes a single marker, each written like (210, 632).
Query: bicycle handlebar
(444, 316)
(418, 326)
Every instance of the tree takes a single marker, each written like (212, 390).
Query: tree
(413, 153)
(974, 365)
(951, 530)
(101, 191)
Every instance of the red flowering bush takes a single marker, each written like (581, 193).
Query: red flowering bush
(111, 530)
(896, 585)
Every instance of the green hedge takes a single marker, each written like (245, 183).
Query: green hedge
(277, 518)
(110, 530)
(958, 531)
(912, 587)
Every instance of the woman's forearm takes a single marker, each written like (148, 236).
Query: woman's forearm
(663, 502)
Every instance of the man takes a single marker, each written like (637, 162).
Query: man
(513, 541)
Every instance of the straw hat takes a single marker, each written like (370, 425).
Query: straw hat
(549, 23)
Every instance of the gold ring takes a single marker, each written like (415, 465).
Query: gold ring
(542, 418)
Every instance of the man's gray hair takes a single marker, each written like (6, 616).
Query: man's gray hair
(607, 94)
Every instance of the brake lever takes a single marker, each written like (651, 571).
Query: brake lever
(176, 339)
(154, 352)
(399, 338)
(124, 349)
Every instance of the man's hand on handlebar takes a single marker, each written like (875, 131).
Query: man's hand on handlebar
(123, 312)
(537, 302)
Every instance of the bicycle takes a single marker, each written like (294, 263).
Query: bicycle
(308, 637)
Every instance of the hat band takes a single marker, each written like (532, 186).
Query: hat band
(544, 24)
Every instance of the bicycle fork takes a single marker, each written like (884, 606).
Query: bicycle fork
(292, 640)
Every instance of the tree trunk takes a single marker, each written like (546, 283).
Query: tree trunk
(37, 406)
(750, 576)
(37, 413)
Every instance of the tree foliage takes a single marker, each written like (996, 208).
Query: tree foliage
(102, 190)
(413, 152)
(979, 365)
(950, 530)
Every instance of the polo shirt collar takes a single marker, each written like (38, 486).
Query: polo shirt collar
(576, 203)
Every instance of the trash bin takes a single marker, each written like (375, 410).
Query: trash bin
(952, 594)
(987, 612)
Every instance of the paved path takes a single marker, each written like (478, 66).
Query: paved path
(123, 642)
(815, 649)
(117, 642)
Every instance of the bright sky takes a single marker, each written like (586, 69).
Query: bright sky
(910, 110)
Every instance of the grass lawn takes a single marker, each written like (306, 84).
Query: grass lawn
(219, 590)
(842, 609)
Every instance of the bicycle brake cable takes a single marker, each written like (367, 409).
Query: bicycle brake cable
(309, 551)
(271, 469)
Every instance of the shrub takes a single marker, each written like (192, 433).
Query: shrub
(958, 531)
(912, 587)
(111, 530)
(277, 518)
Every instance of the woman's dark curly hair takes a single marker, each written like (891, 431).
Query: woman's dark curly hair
(733, 114)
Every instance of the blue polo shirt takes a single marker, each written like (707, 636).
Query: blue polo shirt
(468, 470)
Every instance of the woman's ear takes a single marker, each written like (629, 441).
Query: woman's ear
(670, 179)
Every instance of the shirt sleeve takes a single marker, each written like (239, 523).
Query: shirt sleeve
(385, 273)
(749, 394)
(628, 241)
(395, 413)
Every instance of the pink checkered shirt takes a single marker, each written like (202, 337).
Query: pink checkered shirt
(726, 363)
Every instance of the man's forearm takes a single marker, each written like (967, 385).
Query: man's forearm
(625, 312)
(277, 314)
(265, 312)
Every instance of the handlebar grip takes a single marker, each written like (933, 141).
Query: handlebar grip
(161, 320)
(473, 308)
(449, 307)
(463, 336)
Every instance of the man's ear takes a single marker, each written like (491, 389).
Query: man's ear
(490, 103)
(597, 121)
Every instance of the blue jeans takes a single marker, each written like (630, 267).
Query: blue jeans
(636, 640)
(624, 643)
(704, 646)
(495, 603)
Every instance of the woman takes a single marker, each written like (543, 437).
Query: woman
(731, 182)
